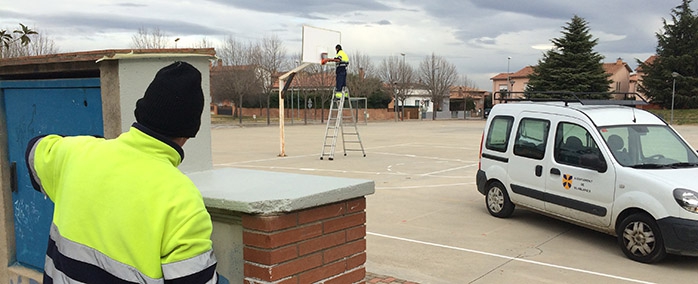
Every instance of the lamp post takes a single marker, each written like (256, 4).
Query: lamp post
(508, 76)
(176, 40)
(403, 73)
(673, 93)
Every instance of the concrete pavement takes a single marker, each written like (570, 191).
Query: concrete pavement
(427, 223)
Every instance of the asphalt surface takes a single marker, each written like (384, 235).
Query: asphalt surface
(426, 222)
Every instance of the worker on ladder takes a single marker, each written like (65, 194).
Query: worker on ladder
(342, 60)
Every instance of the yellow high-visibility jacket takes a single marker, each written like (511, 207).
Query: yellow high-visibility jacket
(343, 59)
(124, 212)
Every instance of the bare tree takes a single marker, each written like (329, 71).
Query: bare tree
(361, 63)
(146, 39)
(438, 75)
(234, 52)
(204, 43)
(399, 76)
(268, 55)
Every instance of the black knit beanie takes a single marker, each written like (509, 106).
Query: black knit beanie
(173, 102)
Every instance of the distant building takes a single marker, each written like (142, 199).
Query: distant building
(619, 72)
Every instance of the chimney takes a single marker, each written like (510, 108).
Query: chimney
(619, 61)
(361, 72)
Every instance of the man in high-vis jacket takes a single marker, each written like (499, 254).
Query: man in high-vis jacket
(342, 60)
(123, 211)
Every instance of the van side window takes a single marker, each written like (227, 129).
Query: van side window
(574, 146)
(498, 134)
(531, 138)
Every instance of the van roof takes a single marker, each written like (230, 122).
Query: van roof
(600, 115)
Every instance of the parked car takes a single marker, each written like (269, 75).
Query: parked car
(616, 169)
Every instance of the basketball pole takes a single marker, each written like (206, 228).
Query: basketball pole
(283, 86)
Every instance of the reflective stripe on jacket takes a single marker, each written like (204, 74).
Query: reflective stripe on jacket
(124, 212)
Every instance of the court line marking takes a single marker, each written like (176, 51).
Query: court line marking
(510, 258)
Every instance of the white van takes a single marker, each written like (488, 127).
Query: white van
(611, 168)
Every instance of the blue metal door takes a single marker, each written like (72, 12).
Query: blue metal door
(32, 108)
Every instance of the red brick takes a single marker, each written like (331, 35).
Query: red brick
(281, 271)
(280, 238)
(290, 280)
(356, 205)
(356, 261)
(298, 265)
(322, 242)
(341, 223)
(270, 256)
(356, 233)
(269, 223)
(323, 272)
(355, 276)
(345, 250)
(322, 212)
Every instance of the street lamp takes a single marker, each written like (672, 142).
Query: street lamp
(403, 72)
(673, 93)
(395, 99)
(176, 40)
(508, 76)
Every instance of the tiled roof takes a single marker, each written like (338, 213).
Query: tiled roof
(523, 73)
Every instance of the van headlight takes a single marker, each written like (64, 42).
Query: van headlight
(687, 199)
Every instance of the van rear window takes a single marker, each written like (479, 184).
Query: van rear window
(498, 133)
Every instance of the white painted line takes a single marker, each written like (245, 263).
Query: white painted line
(424, 186)
(512, 258)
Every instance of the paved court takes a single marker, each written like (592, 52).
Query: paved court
(426, 221)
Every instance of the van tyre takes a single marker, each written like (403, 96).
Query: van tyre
(640, 239)
(497, 200)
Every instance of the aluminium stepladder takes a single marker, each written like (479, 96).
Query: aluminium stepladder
(336, 120)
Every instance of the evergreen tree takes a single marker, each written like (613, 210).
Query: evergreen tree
(677, 59)
(571, 65)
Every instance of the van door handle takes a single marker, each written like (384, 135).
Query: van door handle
(555, 171)
(539, 170)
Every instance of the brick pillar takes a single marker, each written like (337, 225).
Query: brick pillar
(325, 243)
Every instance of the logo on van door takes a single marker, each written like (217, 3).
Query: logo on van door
(567, 181)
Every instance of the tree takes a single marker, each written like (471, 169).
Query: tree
(234, 52)
(361, 63)
(676, 52)
(437, 75)
(241, 75)
(360, 74)
(268, 55)
(389, 72)
(146, 39)
(571, 65)
(19, 43)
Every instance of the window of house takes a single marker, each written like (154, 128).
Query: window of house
(531, 138)
(498, 134)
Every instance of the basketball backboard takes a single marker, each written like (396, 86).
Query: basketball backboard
(317, 41)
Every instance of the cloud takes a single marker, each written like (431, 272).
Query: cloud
(476, 35)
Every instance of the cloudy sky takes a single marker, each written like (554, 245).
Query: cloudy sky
(477, 36)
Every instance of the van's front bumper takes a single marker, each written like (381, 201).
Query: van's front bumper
(680, 235)
(480, 180)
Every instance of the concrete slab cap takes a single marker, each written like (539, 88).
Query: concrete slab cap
(263, 192)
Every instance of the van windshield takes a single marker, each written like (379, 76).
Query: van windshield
(648, 147)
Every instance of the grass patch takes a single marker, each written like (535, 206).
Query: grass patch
(681, 116)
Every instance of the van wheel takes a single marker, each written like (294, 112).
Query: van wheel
(640, 239)
(497, 200)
